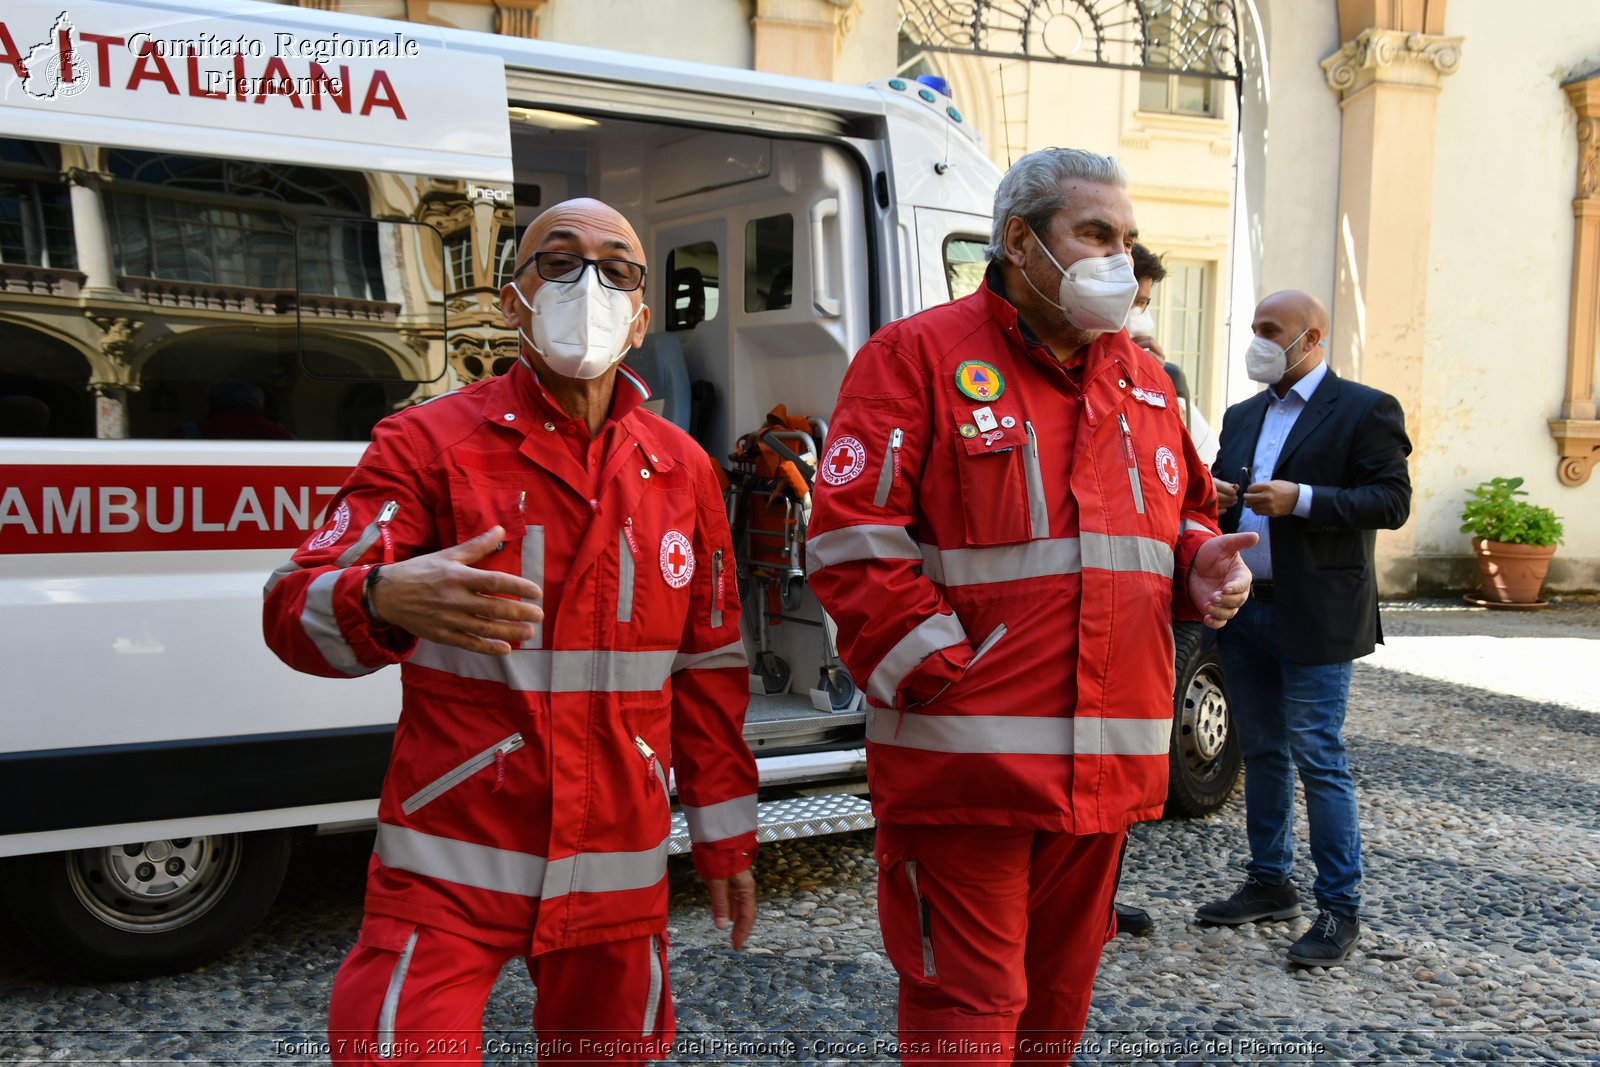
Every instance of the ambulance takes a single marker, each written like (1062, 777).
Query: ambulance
(234, 237)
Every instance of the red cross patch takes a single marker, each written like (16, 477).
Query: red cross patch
(845, 459)
(677, 559)
(1167, 467)
(335, 529)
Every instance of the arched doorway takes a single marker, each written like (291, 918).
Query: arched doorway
(51, 371)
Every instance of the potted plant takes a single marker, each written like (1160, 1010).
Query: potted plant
(1512, 539)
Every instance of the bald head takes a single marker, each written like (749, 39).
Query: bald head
(572, 220)
(1297, 322)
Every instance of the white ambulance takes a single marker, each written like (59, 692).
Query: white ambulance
(232, 238)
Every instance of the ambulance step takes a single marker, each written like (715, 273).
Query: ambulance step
(785, 820)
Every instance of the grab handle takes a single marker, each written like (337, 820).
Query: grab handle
(821, 297)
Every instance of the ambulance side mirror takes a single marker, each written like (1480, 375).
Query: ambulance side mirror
(369, 299)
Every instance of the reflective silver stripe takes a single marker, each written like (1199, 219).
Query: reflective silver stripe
(927, 637)
(652, 998)
(1122, 552)
(1019, 734)
(858, 542)
(1190, 526)
(320, 624)
(368, 538)
(461, 862)
(1038, 508)
(924, 921)
(729, 655)
(448, 781)
(605, 872)
(544, 671)
(718, 822)
(279, 575)
(387, 1049)
(624, 579)
(519, 873)
(533, 570)
(1002, 563)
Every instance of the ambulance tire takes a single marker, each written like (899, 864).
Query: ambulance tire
(1204, 756)
(115, 913)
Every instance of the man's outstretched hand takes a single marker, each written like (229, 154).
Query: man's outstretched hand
(442, 597)
(1219, 582)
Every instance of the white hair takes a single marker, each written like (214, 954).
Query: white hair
(1031, 189)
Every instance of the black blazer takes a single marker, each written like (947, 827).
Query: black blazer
(1349, 444)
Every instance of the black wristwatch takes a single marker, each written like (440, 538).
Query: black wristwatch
(374, 576)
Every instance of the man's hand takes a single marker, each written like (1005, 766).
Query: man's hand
(442, 597)
(1150, 345)
(1272, 499)
(1219, 581)
(1227, 494)
(733, 903)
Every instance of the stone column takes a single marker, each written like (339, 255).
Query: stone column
(1577, 431)
(517, 18)
(801, 37)
(90, 235)
(1388, 82)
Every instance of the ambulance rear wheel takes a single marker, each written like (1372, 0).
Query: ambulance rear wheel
(1204, 760)
(146, 907)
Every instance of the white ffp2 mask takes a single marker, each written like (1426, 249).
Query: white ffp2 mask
(1141, 323)
(579, 327)
(1266, 362)
(1095, 294)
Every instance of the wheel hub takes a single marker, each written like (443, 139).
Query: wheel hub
(154, 885)
(1206, 717)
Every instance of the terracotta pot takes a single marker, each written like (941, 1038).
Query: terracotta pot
(1512, 574)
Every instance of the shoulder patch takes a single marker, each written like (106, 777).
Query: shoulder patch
(845, 460)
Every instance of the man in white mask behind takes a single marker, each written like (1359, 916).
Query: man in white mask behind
(1314, 464)
(548, 562)
(1009, 516)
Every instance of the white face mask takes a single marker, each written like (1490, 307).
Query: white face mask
(1141, 323)
(580, 327)
(1267, 363)
(1095, 294)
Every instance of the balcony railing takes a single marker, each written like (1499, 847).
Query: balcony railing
(40, 281)
(247, 300)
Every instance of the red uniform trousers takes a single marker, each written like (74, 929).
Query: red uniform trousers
(996, 933)
(410, 994)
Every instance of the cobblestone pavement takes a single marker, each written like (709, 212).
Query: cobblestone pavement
(1476, 741)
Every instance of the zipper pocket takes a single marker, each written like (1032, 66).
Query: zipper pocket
(654, 772)
(1038, 508)
(891, 468)
(627, 554)
(495, 754)
(716, 589)
(924, 922)
(369, 536)
(652, 998)
(1133, 464)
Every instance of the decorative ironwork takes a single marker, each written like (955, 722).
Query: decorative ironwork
(1193, 37)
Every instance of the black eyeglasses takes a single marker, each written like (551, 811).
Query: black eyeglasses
(621, 274)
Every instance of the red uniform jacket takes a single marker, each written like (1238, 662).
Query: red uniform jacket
(529, 792)
(1004, 551)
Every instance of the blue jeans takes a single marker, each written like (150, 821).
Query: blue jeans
(1290, 717)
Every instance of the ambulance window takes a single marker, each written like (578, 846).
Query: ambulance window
(769, 263)
(692, 284)
(964, 264)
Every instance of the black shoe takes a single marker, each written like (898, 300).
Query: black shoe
(1253, 902)
(1134, 921)
(1330, 940)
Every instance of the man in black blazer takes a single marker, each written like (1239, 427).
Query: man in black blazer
(1321, 465)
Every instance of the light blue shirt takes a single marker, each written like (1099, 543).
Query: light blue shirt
(1280, 419)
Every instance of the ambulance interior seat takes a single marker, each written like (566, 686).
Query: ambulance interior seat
(686, 307)
(660, 362)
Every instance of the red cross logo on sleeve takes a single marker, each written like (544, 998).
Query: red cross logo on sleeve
(1167, 467)
(847, 457)
(677, 559)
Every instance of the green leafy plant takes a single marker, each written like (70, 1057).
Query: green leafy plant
(1493, 513)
